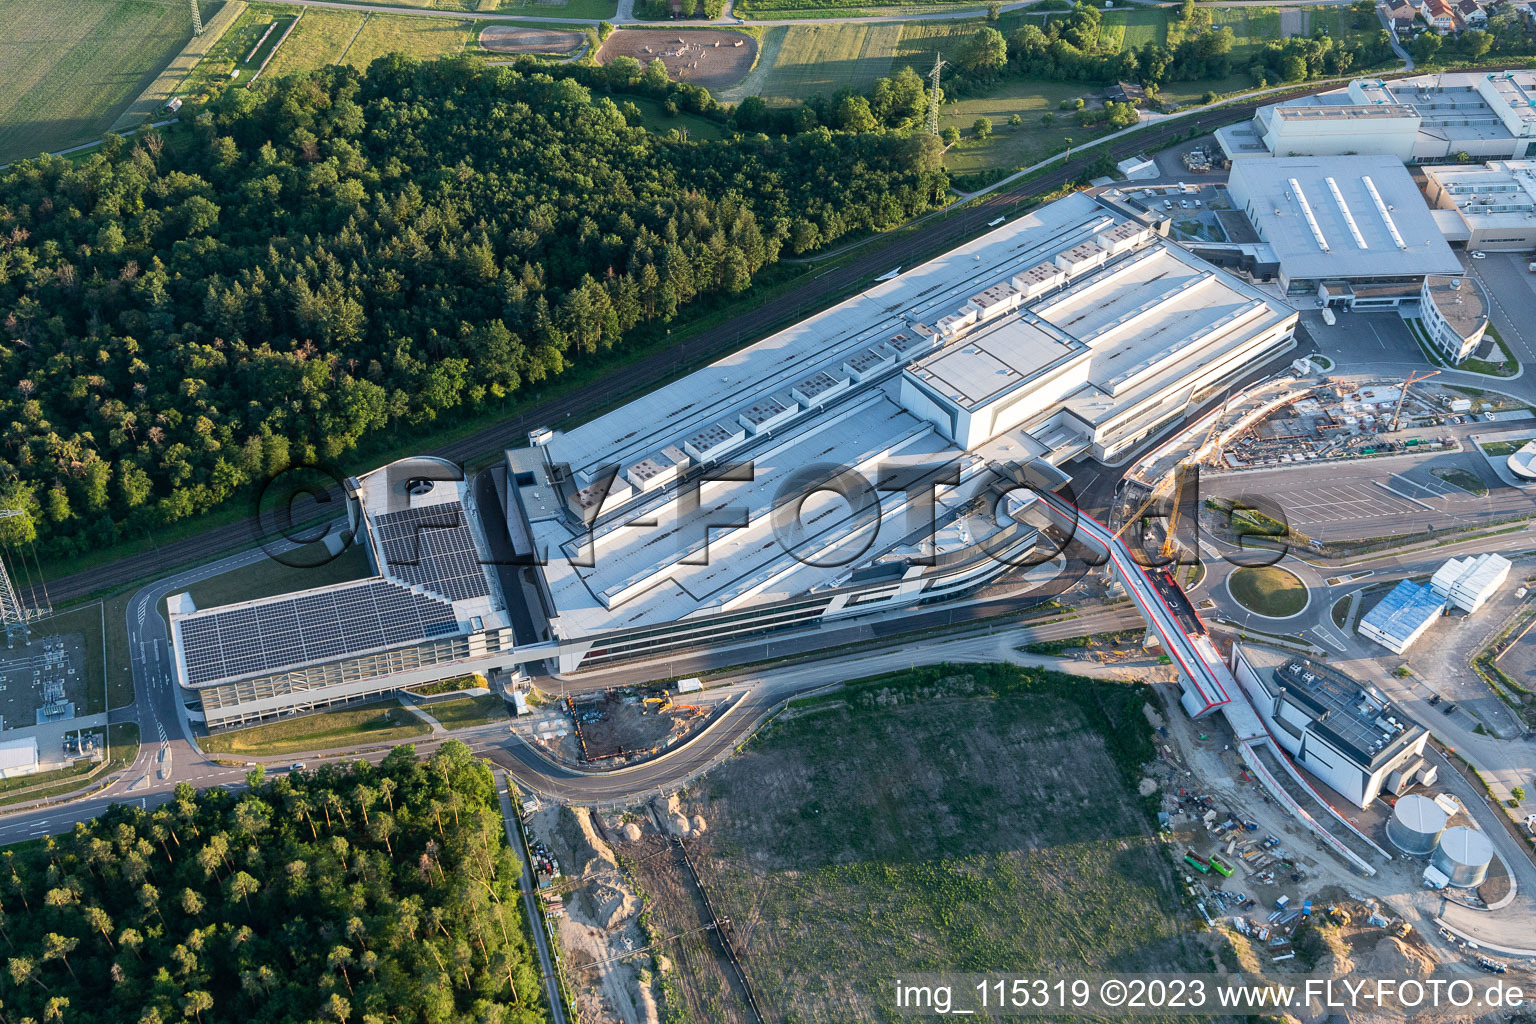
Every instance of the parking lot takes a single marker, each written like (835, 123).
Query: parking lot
(1359, 499)
(1365, 339)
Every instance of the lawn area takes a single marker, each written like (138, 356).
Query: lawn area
(426, 38)
(1268, 590)
(797, 62)
(268, 577)
(320, 38)
(1465, 479)
(700, 129)
(68, 68)
(238, 41)
(375, 723)
(1498, 449)
(1012, 147)
(469, 711)
(978, 818)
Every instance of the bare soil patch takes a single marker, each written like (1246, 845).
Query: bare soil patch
(713, 58)
(506, 39)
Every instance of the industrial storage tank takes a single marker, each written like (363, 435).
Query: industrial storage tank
(1463, 854)
(1415, 825)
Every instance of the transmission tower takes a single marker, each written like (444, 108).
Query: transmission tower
(12, 615)
(933, 94)
(197, 18)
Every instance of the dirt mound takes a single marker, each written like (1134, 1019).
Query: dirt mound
(608, 907)
(506, 39)
(632, 832)
(1394, 958)
(713, 58)
(589, 854)
(699, 824)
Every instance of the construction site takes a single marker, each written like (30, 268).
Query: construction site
(619, 726)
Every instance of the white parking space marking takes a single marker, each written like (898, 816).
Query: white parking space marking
(1340, 502)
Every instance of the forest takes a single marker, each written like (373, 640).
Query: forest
(349, 894)
(321, 258)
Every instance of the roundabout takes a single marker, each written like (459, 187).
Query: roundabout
(1268, 591)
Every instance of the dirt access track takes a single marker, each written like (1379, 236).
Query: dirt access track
(712, 58)
(505, 39)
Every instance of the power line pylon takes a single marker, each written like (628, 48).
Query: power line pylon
(12, 615)
(933, 94)
(197, 18)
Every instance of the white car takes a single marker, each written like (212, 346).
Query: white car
(1479, 255)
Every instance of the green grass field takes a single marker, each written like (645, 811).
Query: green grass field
(375, 723)
(230, 52)
(968, 818)
(426, 38)
(321, 38)
(1465, 479)
(69, 67)
(469, 711)
(1268, 590)
(700, 129)
(800, 61)
(1013, 146)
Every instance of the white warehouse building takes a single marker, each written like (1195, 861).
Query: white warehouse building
(1467, 583)
(1489, 115)
(1402, 616)
(1348, 735)
(1484, 206)
(1351, 231)
(1073, 330)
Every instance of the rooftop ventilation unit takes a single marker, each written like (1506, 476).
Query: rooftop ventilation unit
(1386, 214)
(1306, 211)
(1349, 218)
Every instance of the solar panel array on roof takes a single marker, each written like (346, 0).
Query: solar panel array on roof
(432, 546)
(309, 627)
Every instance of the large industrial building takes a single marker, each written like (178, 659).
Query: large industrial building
(1427, 118)
(1350, 231)
(1484, 206)
(870, 457)
(1349, 736)
(1073, 330)
(434, 602)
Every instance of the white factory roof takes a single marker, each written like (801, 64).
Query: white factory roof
(1496, 194)
(18, 757)
(994, 359)
(1404, 612)
(920, 296)
(1471, 575)
(1342, 217)
(1134, 323)
(1518, 90)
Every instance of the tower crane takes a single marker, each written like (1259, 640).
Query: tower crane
(1403, 396)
